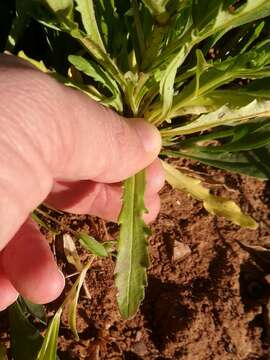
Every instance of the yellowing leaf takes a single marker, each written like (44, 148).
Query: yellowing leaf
(73, 297)
(71, 252)
(223, 116)
(48, 350)
(38, 64)
(215, 205)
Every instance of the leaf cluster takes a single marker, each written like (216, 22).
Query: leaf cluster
(199, 70)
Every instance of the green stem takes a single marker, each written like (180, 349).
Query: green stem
(43, 213)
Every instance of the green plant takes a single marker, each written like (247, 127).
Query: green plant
(174, 62)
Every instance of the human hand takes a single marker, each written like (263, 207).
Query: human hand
(53, 140)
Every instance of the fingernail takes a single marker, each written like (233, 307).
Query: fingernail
(149, 136)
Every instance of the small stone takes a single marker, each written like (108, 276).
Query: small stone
(181, 251)
(140, 349)
(138, 336)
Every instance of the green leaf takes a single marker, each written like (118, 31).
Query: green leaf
(252, 163)
(214, 15)
(251, 65)
(63, 7)
(202, 66)
(36, 310)
(256, 34)
(249, 136)
(168, 77)
(38, 64)
(86, 9)
(157, 7)
(42, 223)
(73, 297)
(92, 245)
(96, 72)
(26, 340)
(132, 259)
(101, 57)
(215, 205)
(205, 12)
(19, 23)
(218, 19)
(253, 138)
(223, 116)
(48, 350)
(90, 91)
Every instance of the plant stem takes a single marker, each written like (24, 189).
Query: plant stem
(43, 213)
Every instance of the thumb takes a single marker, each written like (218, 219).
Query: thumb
(105, 146)
(48, 131)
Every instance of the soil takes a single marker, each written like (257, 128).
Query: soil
(208, 294)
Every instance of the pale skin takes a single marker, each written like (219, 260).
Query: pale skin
(58, 146)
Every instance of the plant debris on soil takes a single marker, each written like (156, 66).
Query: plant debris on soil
(208, 294)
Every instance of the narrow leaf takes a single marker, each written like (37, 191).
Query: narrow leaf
(215, 205)
(201, 67)
(223, 116)
(71, 252)
(168, 77)
(92, 245)
(86, 9)
(48, 350)
(38, 64)
(132, 259)
(73, 300)
(96, 72)
(254, 37)
(252, 163)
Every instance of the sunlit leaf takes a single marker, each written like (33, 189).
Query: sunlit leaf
(38, 64)
(168, 79)
(223, 116)
(42, 223)
(92, 245)
(96, 72)
(73, 297)
(71, 252)
(86, 9)
(213, 204)
(62, 7)
(48, 350)
(202, 66)
(132, 258)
